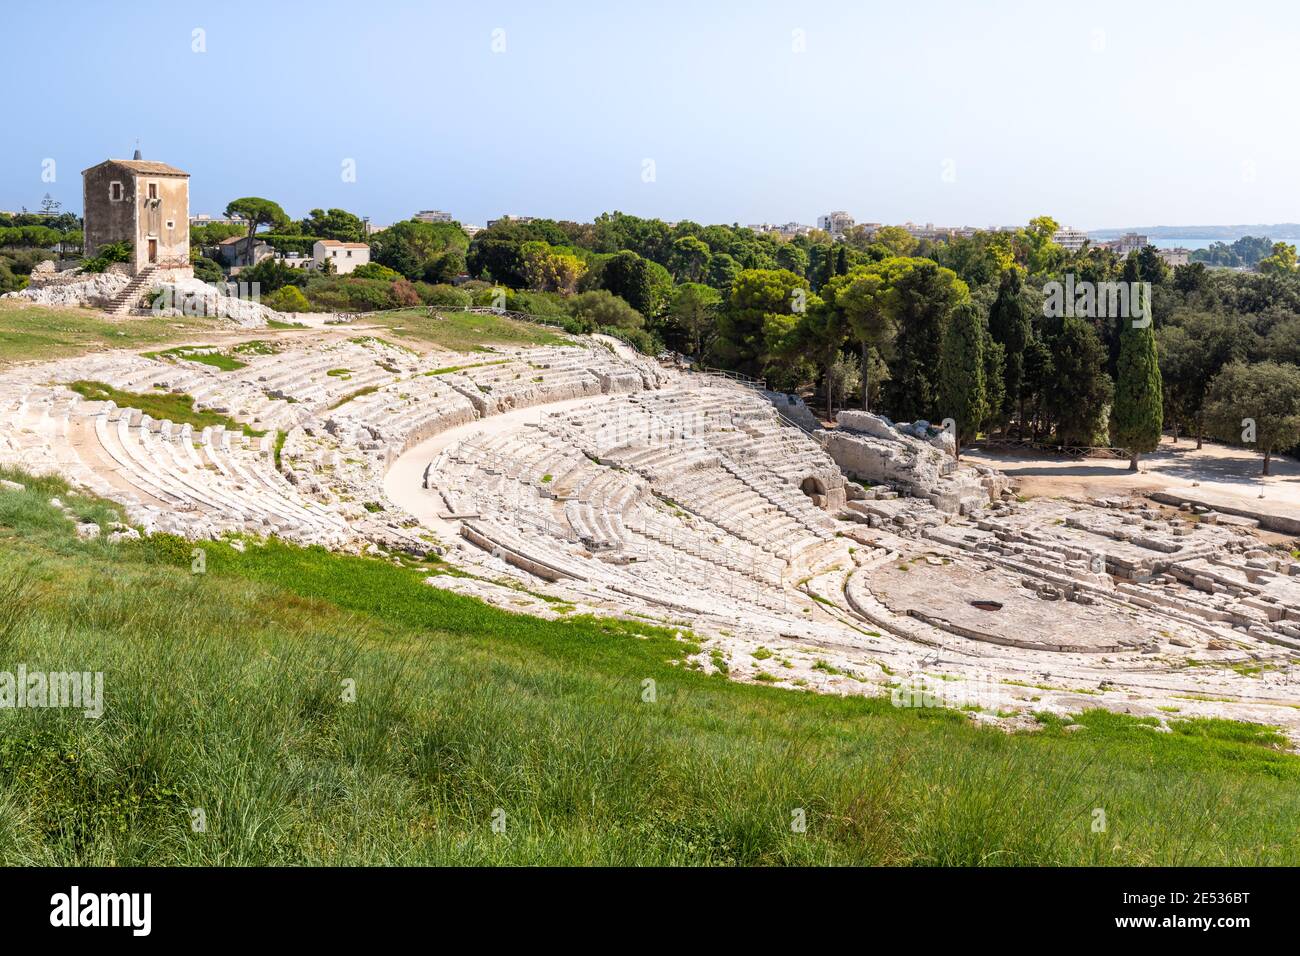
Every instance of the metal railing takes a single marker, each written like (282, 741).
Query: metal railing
(1069, 451)
(738, 377)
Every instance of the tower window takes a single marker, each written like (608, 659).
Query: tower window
(115, 191)
(153, 190)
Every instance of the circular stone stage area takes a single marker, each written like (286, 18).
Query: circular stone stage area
(996, 607)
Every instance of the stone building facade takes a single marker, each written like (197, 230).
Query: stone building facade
(143, 203)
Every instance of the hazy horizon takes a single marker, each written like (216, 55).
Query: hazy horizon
(749, 113)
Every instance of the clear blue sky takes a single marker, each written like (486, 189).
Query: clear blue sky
(1100, 114)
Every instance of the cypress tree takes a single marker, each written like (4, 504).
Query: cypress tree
(925, 297)
(1139, 411)
(994, 375)
(1011, 325)
(828, 266)
(961, 372)
(1078, 389)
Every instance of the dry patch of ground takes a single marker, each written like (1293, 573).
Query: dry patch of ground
(1215, 471)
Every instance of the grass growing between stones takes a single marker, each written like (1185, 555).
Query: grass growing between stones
(171, 406)
(224, 692)
(31, 332)
(203, 354)
(462, 331)
(359, 393)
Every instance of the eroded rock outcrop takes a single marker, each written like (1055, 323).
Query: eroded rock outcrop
(870, 448)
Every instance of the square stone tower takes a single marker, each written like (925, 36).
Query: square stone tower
(144, 203)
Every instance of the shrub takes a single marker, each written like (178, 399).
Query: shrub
(348, 294)
(600, 308)
(108, 253)
(116, 251)
(484, 294)
(288, 299)
(543, 304)
(272, 275)
(442, 294)
(404, 293)
(373, 270)
(446, 267)
(208, 271)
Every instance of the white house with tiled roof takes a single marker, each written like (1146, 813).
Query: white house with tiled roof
(344, 256)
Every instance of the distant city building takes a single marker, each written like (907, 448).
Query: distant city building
(372, 228)
(470, 229)
(934, 233)
(788, 230)
(1175, 257)
(1071, 240)
(1129, 242)
(203, 219)
(835, 223)
(432, 215)
(521, 220)
(344, 256)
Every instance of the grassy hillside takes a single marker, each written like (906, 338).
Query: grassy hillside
(30, 332)
(224, 691)
(460, 331)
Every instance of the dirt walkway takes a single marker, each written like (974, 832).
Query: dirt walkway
(1217, 472)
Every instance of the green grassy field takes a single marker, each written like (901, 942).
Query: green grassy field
(226, 692)
(31, 332)
(461, 331)
(37, 332)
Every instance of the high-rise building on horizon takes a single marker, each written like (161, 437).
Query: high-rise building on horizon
(836, 223)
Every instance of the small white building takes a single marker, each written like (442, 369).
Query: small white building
(345, 256)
